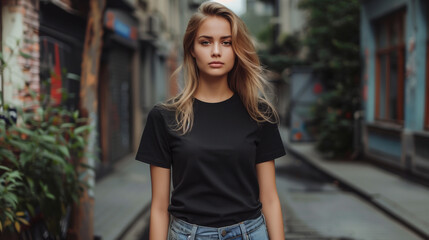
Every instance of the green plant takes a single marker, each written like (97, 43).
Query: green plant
(333, 114)
(332, 38)
(10, 182)
(40, 171)
(282, 55)
(333, 43)
(39, 160)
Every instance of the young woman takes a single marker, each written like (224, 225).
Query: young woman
(219, 137)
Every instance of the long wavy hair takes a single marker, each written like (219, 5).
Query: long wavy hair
(245, 78)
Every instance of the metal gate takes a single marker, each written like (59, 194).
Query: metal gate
(119, 102)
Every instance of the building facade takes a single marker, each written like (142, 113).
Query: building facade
(140, 48)
(395, 83)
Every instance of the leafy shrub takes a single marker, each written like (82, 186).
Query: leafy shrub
(41, 176)
(40, 173)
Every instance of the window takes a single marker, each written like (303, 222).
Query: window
(59, 68)
(390, 68)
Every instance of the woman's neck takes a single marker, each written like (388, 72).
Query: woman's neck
(213, 90)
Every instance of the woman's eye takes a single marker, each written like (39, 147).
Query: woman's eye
(205, 42)
(227, 43)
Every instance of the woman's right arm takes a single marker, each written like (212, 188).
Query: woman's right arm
(159, 216)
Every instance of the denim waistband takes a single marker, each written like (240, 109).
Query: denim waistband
(225, 232)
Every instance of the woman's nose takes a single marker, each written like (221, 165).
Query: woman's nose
(216, 50)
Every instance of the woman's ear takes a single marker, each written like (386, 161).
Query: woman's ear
(192, 53)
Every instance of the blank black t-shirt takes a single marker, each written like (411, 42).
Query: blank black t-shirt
(214, 165)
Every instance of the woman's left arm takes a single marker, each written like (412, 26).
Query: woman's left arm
(269, 198)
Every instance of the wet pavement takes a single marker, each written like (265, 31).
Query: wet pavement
(314, 207)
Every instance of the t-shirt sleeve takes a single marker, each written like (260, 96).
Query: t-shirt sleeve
(270, 144)
(154, 148)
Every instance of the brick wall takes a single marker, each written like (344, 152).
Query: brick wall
(20, 23)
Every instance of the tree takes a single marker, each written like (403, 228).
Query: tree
(333, 42)
(83, 214)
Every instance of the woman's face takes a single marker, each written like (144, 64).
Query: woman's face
(212, 48)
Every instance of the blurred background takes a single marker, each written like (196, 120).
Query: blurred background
(350, 83)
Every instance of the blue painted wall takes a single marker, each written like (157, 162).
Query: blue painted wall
(417, 122)
(415, 35)
(389, 146)
(416, 71)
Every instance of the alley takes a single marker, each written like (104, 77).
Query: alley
(316, 208)
(79, 80)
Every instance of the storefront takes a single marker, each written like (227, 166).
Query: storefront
(115, 87)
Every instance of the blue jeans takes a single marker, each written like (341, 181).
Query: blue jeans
(253, 229)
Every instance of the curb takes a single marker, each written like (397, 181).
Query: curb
(137, 226)
(384, 206)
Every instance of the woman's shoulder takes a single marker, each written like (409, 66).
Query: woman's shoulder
(167, 107)
(164, 113)
(161, 110)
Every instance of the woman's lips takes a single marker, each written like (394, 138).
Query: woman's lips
(216, 64)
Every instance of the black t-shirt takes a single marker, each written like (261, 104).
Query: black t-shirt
(213, 165)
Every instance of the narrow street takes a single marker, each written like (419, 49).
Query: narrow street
(316, 209)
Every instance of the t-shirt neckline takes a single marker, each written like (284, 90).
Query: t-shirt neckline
(216, 103)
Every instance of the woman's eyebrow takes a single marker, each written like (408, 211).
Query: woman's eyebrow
(209, 37)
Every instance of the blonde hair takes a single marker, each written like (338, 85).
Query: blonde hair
(245, 78)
